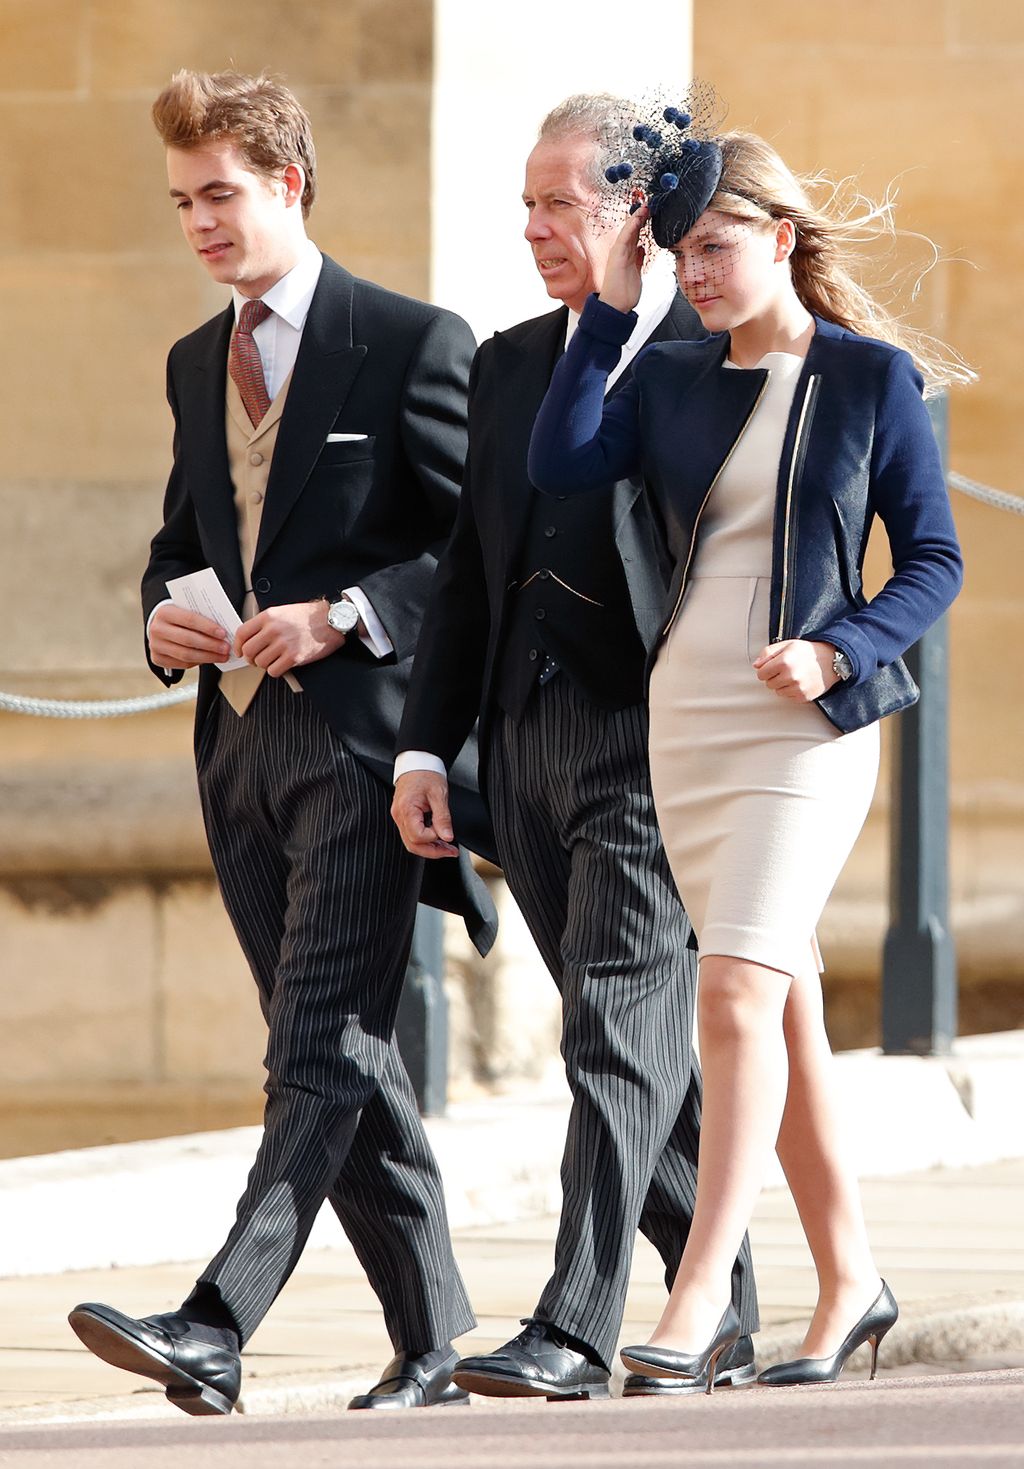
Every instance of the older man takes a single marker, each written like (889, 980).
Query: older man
(540, 620)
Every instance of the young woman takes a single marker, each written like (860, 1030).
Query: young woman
(766, 452)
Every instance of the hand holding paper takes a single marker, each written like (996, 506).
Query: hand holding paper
(196, 638)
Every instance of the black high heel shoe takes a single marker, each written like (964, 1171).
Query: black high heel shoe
(698, 1368)
(879, 1318)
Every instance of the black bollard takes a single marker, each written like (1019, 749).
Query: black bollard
(421, 1027)
(919, 981)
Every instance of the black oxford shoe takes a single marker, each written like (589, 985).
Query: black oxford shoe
(735, 1369)
(199, 1377)
(538, 1363)
(415, 1382)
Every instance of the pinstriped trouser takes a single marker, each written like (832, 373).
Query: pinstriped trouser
(570, 794)
(322, 895)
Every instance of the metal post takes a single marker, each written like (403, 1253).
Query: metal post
(421, 1026)
(919, 984)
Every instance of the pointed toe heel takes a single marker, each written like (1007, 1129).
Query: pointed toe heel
(696, 1369)
(877, 1321)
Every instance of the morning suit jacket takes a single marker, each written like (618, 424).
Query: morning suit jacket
(859, 443)
(371, 512)
(454, 674)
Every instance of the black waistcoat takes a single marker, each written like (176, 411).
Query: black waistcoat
(572, 603)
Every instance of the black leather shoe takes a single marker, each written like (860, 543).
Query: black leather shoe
(415, 1382)
(698, 1369)
(199, 1376)
(735, 1369)
(538, 1363)
(880, 1317)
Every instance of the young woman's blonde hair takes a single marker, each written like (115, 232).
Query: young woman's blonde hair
(758, 187)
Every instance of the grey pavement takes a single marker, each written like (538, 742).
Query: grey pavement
(961, 1423)
(949, 1241)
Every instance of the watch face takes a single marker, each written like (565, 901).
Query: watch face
(342, 616)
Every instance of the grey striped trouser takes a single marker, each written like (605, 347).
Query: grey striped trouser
(570, 795)
(322, 895)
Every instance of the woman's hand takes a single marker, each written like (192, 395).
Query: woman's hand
(621, 284)
(797, 669)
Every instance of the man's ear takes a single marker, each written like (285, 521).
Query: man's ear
(785, 240)
(294, 180)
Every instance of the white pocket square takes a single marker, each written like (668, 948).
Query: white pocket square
(345, 438)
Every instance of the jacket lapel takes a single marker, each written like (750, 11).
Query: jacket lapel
(202, 398)
(524, 367)
(325, 369)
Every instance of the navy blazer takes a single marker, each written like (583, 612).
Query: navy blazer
(859, 444)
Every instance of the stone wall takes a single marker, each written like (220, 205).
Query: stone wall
(125, 1005)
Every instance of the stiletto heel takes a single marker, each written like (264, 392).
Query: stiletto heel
(698, 1368)
(713, 1369)
(878, 1319)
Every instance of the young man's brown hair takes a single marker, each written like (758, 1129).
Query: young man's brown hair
(265, 121)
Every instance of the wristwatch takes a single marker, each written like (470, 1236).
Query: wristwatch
(343, 616)
(841, 665)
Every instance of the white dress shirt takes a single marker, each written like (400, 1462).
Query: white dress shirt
(278, 338)
(657, 293)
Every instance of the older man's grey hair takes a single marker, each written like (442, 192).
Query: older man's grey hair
(596, 115)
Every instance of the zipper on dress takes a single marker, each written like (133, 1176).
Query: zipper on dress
(718, 475)
(796, 465)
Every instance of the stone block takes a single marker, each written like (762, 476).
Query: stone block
(373, 212)
(395, 40)
(85, 390)
(43, 45)
(101, 817)
(989, 25)
(802, 26)
(211, 1025)
(112, 195)
(136, 47)
(78, 994)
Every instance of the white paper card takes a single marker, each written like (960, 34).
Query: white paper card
(202, 592)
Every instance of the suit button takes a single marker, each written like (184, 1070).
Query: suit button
(543, 575)
(263, 585)
(534, 655)
(550, 531)
(255, 457)
(256, 497)
(540, 614)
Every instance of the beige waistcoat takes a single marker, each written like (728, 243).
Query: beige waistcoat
(250, 455)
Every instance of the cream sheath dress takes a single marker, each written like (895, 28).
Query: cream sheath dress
(759, 798)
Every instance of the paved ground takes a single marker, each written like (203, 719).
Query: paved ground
(947, 1423)
(950, 1242)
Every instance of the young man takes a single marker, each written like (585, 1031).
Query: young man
(540, 621)
(319, 443)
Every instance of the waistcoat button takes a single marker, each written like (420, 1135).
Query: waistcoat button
(255, 457)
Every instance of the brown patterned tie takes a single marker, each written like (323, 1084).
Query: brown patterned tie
(244, 361)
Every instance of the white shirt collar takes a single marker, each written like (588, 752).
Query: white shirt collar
(290, 297)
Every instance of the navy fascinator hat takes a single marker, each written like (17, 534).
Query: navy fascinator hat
(671, 160)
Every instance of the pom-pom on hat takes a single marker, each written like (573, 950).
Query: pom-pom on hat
(670, 156)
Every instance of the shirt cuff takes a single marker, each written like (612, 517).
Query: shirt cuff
(376, 639)
(418, 760)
